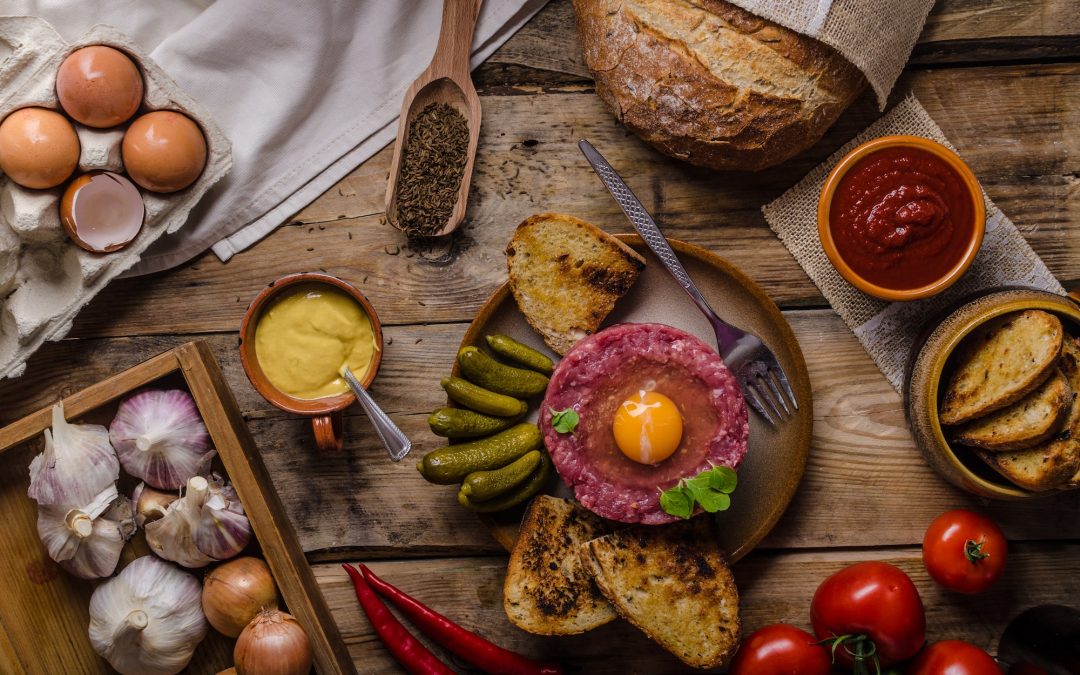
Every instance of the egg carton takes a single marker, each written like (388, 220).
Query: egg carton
(45, 278)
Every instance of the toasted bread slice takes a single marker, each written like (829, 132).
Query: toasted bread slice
(1054, 463)
(673, 583)
(547, 590)
(1024, 424)
(566, 275)
(1000, 363)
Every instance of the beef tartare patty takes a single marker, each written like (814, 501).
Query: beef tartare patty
(605, 369)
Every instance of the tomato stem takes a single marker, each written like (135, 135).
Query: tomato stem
(973, 551)
(860, 648)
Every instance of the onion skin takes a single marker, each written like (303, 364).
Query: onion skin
(273, 644)
(233, 593)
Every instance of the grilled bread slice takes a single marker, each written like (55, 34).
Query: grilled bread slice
(1000, 363)
(566, 276)
(547, 591)
(673, 583)
(1054, 463)
(1024, 424)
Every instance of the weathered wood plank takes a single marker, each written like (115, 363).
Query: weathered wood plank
(1013, 124)
(546, 51)
(773, 588)
(862, 450)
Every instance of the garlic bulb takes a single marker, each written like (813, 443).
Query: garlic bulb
(160, 438)
(77, 465)
(87, 546)
(148, 620)
(205, 525)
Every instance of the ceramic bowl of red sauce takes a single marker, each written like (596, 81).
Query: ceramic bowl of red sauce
(901, 217)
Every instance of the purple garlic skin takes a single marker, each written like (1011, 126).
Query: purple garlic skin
(160, 438)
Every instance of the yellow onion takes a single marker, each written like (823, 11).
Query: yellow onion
(273, 644)
(233, 593)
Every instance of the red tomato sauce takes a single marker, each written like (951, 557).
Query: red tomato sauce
(901, 218)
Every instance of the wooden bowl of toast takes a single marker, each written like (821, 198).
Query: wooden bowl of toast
(993, 395)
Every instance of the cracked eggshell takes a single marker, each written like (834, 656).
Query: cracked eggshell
(102, 211)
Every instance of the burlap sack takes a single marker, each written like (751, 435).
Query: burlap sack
(887, 330)
(877, 36)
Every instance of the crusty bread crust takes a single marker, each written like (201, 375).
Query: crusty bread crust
(1024, 424)
(1001, 362)
(547, 591)
(712, 84)
(673, 583)
(1055, 463)
(566, 276)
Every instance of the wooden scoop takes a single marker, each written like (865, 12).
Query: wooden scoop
(446, 80)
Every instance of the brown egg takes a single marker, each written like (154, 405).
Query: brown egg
(99, 86)
(38, 147)
(163, 151)
(102, 211)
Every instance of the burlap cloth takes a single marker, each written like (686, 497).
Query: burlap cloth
(887, 330)
(877, 36)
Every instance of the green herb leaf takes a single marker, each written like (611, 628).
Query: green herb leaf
(677, 502)
(723, 478)
(564, 421)
(710, 489)
(713, 501)
(698, 485)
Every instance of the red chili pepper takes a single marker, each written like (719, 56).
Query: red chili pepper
(469, 646)
(408, 651)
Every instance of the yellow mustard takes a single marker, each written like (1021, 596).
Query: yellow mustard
(304, 337)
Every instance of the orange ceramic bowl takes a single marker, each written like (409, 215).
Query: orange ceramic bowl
(832, 182)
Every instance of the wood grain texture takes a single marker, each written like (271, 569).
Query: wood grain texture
(957, 31)
(1012, 124)
(40, 598)
(861, 453)
(772, 588)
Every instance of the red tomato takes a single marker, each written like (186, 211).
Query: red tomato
(780, 649)
(964, 551)
(954, 657)
(878, 607)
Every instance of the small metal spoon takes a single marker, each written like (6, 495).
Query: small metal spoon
(395, 441)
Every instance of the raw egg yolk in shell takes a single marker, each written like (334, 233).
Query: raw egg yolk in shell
(647, 427)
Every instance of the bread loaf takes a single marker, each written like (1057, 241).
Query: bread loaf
(712, 84)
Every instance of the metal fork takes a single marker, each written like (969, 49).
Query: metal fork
(760, 376)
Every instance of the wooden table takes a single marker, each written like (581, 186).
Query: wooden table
(1001, 78)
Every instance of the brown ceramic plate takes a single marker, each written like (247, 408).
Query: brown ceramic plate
(776, 458)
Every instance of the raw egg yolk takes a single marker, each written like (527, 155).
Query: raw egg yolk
(647, 427)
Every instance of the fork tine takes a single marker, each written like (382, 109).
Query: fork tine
(763, 394)
(770, 378)
(755, 402)
(779, 372)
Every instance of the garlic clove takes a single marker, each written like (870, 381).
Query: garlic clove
(206, 524)
(221, 533)
(148, 620)
(151, 504)
(63, 529)
(78, 463)
(87, 547)
(160, 438)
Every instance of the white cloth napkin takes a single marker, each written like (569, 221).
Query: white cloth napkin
(306, 91)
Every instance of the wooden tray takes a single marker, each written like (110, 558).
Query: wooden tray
(774, 464)
(44, 611)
